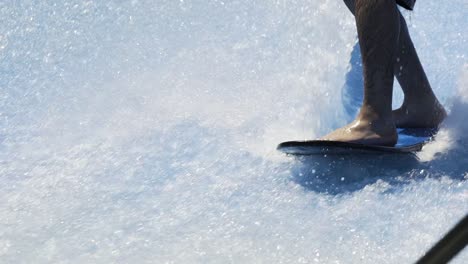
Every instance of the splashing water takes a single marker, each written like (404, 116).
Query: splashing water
(145, 132)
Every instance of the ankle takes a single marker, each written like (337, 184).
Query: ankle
(428, 99)
(368, 115)
(383, 125)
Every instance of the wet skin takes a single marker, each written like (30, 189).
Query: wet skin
(387, 51)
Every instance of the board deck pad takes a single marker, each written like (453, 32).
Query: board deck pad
(409, 141)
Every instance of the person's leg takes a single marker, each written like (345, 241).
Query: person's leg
(377, 24)
(420, 106)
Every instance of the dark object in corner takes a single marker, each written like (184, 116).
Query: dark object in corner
(408, 4)
(449, 246)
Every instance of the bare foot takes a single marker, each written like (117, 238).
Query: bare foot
(420, 114)
(366, 132)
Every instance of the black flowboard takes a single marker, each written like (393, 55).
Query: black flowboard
(409, 141)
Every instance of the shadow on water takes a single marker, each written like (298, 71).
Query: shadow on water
(352, 92)
(340, 174)
(336, 174)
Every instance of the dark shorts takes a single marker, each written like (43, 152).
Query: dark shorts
(408, 4)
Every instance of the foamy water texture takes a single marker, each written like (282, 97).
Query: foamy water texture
(145, 132)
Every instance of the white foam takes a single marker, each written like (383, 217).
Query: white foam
(454, 129)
